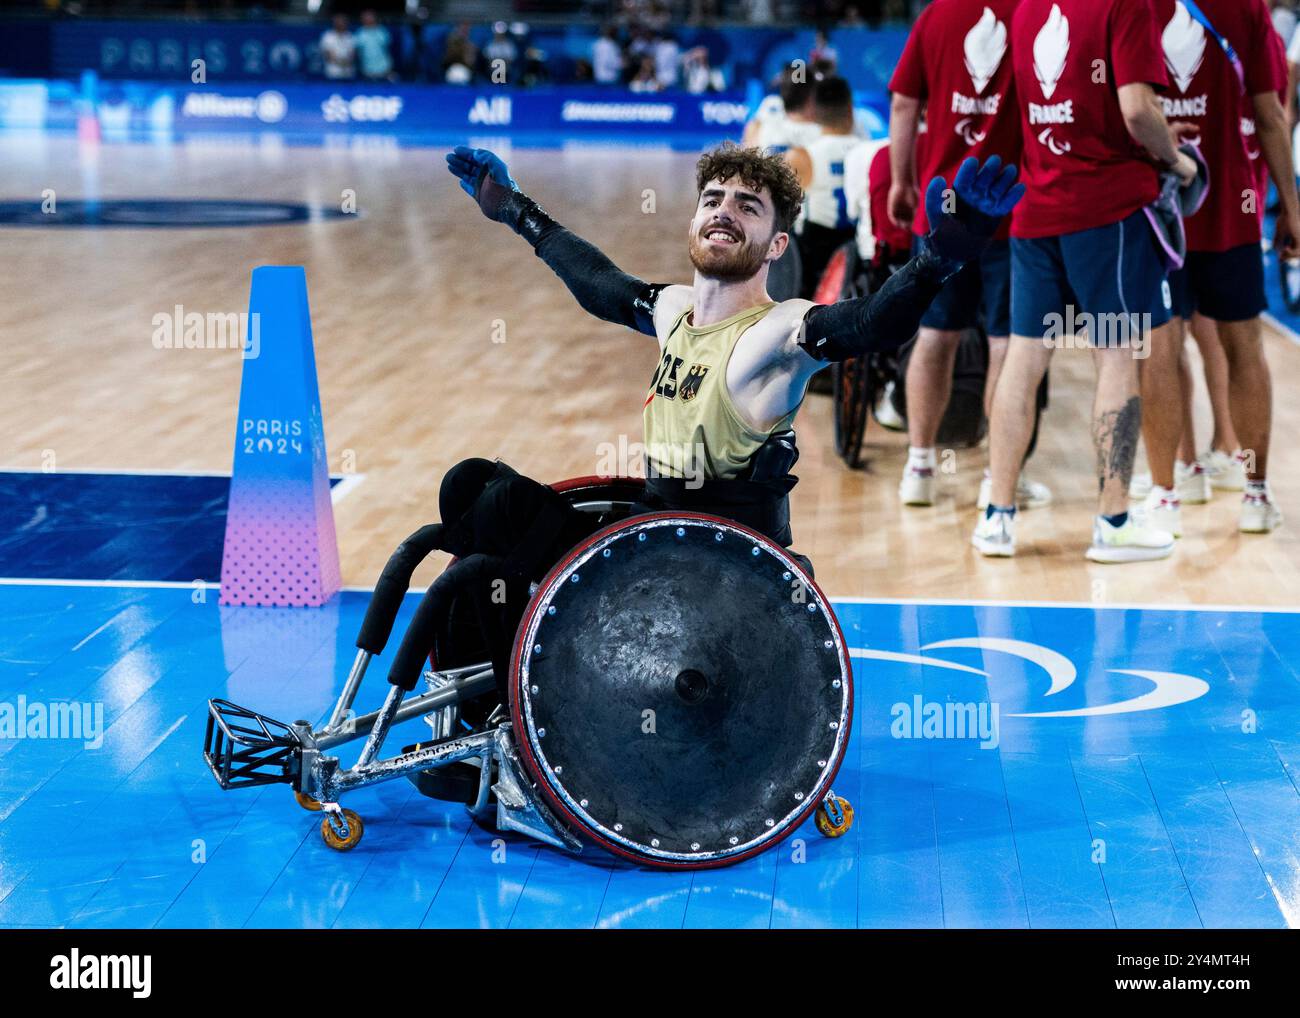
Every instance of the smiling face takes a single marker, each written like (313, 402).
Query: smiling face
(734, 231)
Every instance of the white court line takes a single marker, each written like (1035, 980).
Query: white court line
(119, 472)
(1119, 605)
(19, 581)
(338, 492)
(44, 581)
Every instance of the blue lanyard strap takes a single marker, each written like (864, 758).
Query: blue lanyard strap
(1196, 12)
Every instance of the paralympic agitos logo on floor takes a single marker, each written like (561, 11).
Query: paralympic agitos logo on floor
(1166, 689)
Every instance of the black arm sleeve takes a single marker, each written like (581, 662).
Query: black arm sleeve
(600, 286)
(883, 321)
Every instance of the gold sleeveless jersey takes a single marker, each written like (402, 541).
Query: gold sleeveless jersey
(692, 428)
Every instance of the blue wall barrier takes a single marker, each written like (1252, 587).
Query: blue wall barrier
(545, 114)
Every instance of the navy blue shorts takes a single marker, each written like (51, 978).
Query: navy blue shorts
(982, 287)
(1114, 271)
(1227, 286)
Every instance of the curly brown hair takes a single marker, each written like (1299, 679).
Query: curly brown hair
(756, 169)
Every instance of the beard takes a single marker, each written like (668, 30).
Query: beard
(729, 265)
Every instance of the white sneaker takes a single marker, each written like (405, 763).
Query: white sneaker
(1133, 542)
(886, 416)
(917, 485)
(1163, 510)
(1227, 471)
(1191, 482)
(1029, 494)
(995, 535)
(1259, 514)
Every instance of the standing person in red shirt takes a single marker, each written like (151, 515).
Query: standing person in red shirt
(1083, 256)
(956, 67)
(1217, 52)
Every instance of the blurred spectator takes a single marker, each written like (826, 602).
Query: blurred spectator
(697, 75)
(501, 53)
(338, 49)
(759, 12)
(824, 53)
(607, 58)
(703, 12)
(668, 56)
(645, 79)
(642, 45)
(373, 44)
(642, 13)
(657, 16)
(852, 18)
(459, 57)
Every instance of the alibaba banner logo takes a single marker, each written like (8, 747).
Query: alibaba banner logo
(1168, 689)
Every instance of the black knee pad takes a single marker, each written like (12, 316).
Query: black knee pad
(462, 485)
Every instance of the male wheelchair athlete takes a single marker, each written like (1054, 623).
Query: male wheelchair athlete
(677, 691)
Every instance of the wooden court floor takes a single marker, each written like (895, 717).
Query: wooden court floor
(439, 336)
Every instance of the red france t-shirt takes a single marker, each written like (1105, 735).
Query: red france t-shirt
(957, 61)
(1204, 90)
(1081, 167)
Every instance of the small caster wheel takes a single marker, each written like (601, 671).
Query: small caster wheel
(306, 802)
(341, 830)
(834, 816)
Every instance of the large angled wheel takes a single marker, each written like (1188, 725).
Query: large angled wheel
(680, 691)
(851, 390)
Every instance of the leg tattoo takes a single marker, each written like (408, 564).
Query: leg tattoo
(1115, 435)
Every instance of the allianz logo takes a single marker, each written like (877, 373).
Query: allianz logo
(269, 107)
(1167, 689)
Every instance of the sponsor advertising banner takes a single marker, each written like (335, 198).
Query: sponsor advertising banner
(314, 109)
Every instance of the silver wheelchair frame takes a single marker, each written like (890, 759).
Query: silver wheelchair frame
(244, 748)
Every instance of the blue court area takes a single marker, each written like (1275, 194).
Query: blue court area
(113, 526)
(1118, 767)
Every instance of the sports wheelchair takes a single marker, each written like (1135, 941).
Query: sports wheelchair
(678, 693)
(859, 384)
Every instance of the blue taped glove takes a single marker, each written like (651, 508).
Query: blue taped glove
(983, 195)
(484, 177)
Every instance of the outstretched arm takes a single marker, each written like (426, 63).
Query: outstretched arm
(600, 286)
(962, 221)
